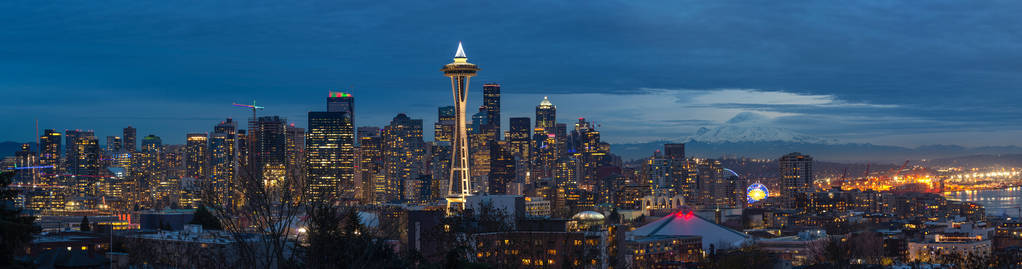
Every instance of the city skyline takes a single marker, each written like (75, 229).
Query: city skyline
(598, 134)
(891, 96)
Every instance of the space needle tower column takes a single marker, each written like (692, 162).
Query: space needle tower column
(460, 71)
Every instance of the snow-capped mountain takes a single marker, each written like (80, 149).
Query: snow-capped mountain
(742, 133)
(752, 127)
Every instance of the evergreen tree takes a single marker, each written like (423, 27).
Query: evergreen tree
(166, 226)
(85, 227)
(15, 230)
(614, 217)
(205, 218)
(340, 240)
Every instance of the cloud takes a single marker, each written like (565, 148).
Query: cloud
(719, 97)
(748, 118)
(655, 114)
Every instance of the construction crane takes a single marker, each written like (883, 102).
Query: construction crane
(899, 169)
(252, 125)
(843, 179)
(253, 107)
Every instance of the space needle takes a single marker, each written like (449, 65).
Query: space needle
(460, 71)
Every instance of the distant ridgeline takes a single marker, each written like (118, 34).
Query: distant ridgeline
(848, 152)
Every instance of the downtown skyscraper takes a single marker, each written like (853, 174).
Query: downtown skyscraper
(491, 106)
(443, 129)
(330, 151)
(82, 158)
(49, 155)
(546, 115)
(502, 169)
(547, 144)
(129, 137)
(519, 135)
(485, 131)
(113, 144)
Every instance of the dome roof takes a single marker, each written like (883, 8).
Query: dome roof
(545, 102)
(588, 215)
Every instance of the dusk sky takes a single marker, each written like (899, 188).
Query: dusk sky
(902, 73)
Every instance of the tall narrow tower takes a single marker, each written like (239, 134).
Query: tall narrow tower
(460, 71)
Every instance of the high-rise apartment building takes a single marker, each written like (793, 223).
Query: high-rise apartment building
(269, 148)
(25, 157)
(295, 148)
(244, 154)
(440, 164)
(403, 151)
(372, 179)
(83, 160)
(796, 178)
(223, 156)
(82, 154)
(196, 156)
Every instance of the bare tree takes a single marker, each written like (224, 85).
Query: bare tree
(867, 245)
(262, 214)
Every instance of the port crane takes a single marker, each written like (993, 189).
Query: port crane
(900, 169)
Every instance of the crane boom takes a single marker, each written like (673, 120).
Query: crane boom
(899, 169)
(253, 107)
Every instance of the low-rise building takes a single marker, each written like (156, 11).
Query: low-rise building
(957, 238)
(664, 251)
(802, 249)
(524, 249)
(192, 247)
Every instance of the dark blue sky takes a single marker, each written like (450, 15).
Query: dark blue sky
(886, 72)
